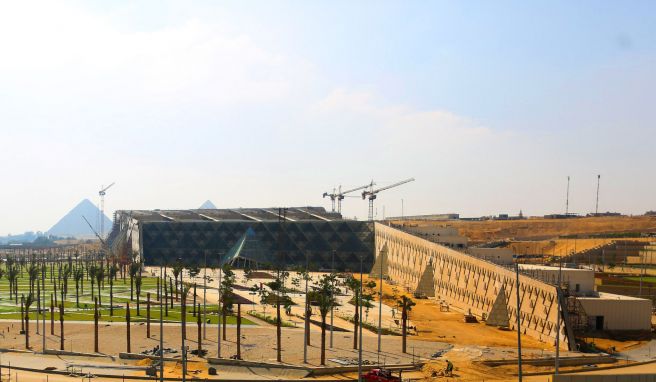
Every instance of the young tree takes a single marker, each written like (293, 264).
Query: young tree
(78, 276)
(184, 292)
(177, 271)
(28, 302)
(405, 304)
(100, 276)
(137, 284)
(227, 285)
(277, 288)
(113, 270)
(134, 270)
(323, 294)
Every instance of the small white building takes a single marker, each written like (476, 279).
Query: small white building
(615, 312)
(604, 311)
(577, 281)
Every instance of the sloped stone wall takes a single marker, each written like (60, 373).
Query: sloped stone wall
(469, 283)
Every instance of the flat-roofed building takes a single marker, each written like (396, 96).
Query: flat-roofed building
(501, 256)
(615, 312)
(577, 281)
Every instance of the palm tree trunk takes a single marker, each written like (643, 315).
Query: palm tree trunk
(183, 315)
(356, 318)
(61, 325)
(308, 311)
(52, 316)
(95, 325)
(148, 315)
(127, 321)
(224, 321)
(404, 318)
(278, 331)
(111, 296)
(323, 339)
(27, 329)
(200, 340)
(238, 331)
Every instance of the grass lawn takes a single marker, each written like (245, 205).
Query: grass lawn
(645, 279)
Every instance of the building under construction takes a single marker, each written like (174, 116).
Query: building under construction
(255, 237)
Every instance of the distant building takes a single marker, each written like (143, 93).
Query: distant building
(501, 256)
(446, 236)
(430, 217)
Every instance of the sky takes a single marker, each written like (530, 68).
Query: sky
(488, 105)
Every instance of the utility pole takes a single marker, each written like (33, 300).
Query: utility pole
(205, 299)
(161, 333)
(558, 293)
(567, 198)
(519, 321)
(383, 252)
(597, 204)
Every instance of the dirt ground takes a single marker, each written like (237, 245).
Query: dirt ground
(563, 247)
(536, 229)
(449, 327)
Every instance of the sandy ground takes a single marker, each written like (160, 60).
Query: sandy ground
(563, 247)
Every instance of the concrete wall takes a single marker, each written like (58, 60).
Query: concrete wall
(570, 277)
(469, 283)
(619, 312)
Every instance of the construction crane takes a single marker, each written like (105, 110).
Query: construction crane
(339, 195)
(102, 193)
(371, 194)
(333, 197)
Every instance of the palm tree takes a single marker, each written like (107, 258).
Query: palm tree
(112, 275)
(405, 304)
(127, 322)
(28, 302)
(66, 274)
(2, 272)
(100, 276)
(12, 276)
(177, 270)
(61, 325)
(276, 287)
(92, 270)
(324, 296)
(353, 284)
(137, 284)
(227, 284)
(134, 269)
(78, 276)
(184, 292)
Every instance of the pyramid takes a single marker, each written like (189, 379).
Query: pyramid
(499, 313)
(208, 205)
(72, 224)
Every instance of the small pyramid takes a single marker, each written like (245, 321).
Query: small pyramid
(426, 285)
(208, 205)
(499, 313)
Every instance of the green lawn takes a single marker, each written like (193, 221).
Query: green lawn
(84, 312)
(645, 279)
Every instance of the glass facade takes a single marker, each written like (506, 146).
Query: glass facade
(262, 244)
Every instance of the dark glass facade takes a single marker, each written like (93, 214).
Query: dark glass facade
(266, 244)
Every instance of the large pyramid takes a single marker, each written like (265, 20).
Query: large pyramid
(208, 205)
(72, 224)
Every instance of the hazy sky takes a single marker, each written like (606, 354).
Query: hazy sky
(489, 105)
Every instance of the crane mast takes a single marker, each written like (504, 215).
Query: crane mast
(371, 194)
(102, 192)
(339, 195)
